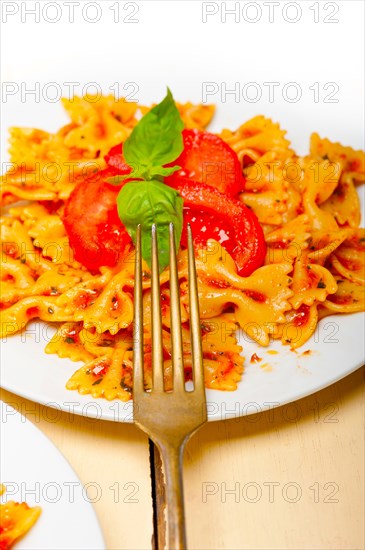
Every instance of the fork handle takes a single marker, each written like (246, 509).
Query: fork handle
(172, 457)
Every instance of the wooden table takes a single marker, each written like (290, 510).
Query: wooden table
(292, 478)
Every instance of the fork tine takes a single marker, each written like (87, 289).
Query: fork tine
(176, 336)
(156, 321)
(138, 383)
(195, 329)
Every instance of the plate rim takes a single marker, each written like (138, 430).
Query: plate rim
(48, 441)
(211, 418)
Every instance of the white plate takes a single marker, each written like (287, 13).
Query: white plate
(192, 55)
(336, 351)
(34, 471)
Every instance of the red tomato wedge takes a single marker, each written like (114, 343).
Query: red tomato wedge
(208, 159)
(115, 160)
(207, 225)
(213, 215)
(97, 236)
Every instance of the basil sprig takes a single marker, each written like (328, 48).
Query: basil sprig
(155, 141)
(146, 203)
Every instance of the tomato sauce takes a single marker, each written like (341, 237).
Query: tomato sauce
(301, 316)
(256, 296)
(218, 283)
(32, 312)
(84, 299)
(344, 300)
(100, 368)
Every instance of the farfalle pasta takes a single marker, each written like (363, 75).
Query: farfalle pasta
(307, 206)
(16, 519)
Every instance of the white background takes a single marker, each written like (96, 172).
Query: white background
(171, 45)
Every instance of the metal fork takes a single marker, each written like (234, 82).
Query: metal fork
(169, 418)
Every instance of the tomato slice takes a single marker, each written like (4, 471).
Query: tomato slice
(208, 159)
(207, 225)
(115, 160)
(97, 236)
(213, 215)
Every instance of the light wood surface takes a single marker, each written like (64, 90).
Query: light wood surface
(292, 478)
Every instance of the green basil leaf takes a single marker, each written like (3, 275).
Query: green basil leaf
(163, 170)
(148, 203)
(117, 180)
(156, 139)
